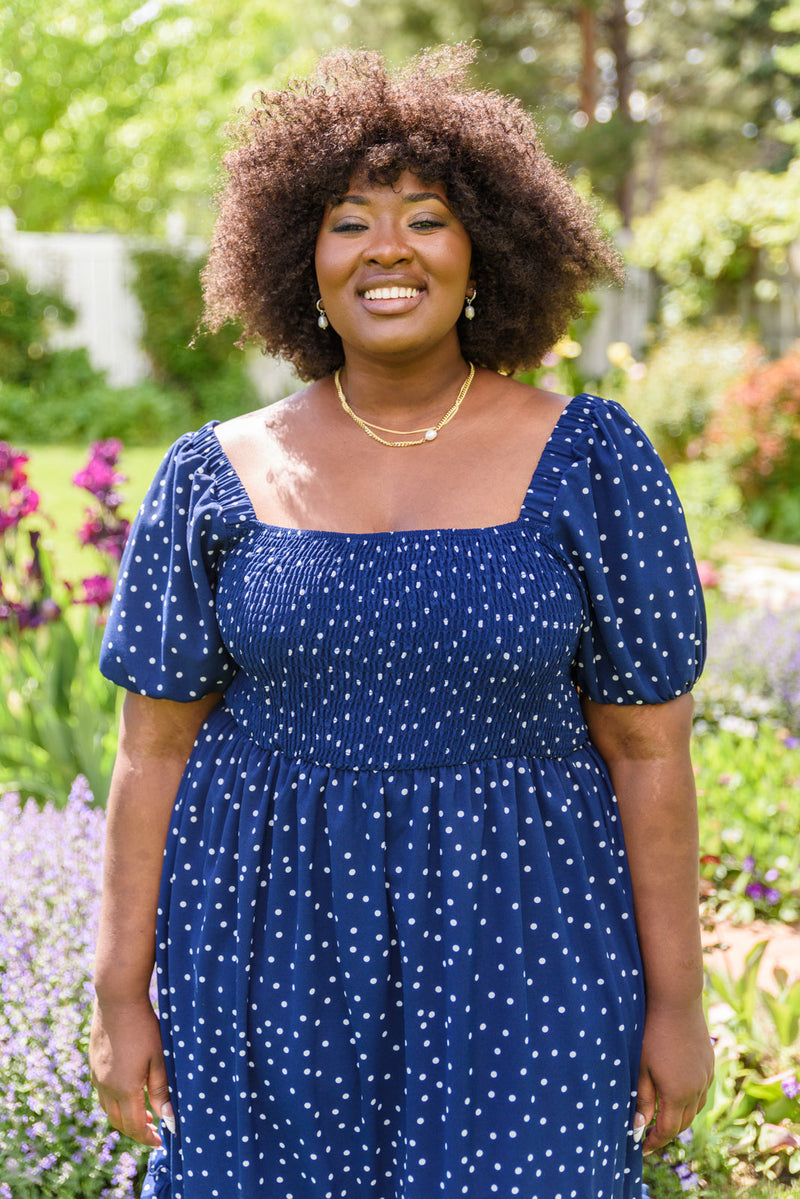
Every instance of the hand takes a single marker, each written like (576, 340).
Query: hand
(676, 1070)
(127, 1062)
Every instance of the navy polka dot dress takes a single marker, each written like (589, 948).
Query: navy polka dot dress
(396, 950)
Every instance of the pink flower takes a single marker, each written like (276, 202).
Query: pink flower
(708, 575)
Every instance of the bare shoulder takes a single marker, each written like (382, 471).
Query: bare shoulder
(531, 403)
(242, 432)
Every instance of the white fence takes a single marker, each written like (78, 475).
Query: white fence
(93, 273)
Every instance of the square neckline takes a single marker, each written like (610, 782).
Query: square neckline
(235, 484)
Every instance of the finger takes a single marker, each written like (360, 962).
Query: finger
(158, 1092)
(669, 1122)
(645, 1099)
(136, 1121)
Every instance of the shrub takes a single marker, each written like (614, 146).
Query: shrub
(688, 373)
(26, 315)
(56, 1142)
(756, 428)
(207, 369)
(708, 243)
(74, 403)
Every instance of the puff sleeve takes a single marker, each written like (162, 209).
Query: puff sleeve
(161, 638)
(621, 529)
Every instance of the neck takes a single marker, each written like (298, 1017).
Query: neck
(403, 395)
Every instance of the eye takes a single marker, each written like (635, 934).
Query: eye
(348, 225)
(427, 222)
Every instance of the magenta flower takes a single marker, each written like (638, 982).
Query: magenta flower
(98, 477)
(755, 890)
(97, 590)
(791, 1088)
(12, 467)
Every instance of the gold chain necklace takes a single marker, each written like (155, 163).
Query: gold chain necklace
(429, 434)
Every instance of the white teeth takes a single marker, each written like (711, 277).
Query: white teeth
(391, 293)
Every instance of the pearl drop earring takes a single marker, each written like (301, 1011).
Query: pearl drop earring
(469, 311)
(322, 319)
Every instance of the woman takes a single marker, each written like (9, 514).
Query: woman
(405, 654)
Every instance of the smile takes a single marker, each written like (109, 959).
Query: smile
(391, 293)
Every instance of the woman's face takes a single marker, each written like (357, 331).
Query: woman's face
(393, 267)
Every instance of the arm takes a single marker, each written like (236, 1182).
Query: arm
(156, 738)
(646, 749)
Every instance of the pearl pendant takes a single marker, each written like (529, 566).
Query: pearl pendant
(431, 435)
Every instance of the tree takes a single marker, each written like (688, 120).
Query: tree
(641, 94)
(112, 115)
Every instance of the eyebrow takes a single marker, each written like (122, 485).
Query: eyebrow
(411, 198)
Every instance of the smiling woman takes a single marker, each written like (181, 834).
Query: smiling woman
(407, 657)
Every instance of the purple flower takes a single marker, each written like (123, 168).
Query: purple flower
(792, 742)
(791, 1087)
(49, 863)
(755, 890)
(772, 896)
(749, 865)
(689, 1180)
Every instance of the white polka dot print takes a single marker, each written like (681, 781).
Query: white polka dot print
(396, 950)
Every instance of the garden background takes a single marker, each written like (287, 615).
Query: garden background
(681, 116)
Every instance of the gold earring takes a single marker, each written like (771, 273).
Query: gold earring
(469, 311)
(322, 319)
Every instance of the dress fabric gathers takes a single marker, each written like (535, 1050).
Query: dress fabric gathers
(396, 953)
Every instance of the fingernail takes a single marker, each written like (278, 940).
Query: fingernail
(639, 1128)
(168, 1116)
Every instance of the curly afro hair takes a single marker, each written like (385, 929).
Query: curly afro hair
(535, 244)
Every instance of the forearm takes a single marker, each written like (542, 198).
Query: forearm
(139, 808)
(658, 810)
(156, 737)
(647, 754)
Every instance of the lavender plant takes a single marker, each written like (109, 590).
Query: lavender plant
(54, 1140)
(752, 672)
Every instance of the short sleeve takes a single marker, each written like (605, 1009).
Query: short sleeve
(161, 638)
(620, 525)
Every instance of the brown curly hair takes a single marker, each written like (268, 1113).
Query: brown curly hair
(535, 245)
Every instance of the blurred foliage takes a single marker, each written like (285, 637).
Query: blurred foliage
(206, 370)
(711, 501)
(755, 430)
(688, 372)
(113, 116)
(786, 21)
(631, 91)
(26, 317)
(51, 396)
(706, 243)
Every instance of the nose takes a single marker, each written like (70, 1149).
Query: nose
(387, 244)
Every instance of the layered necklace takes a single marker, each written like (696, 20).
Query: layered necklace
(430, 434)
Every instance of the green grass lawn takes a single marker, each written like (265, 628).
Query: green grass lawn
(50, 470)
